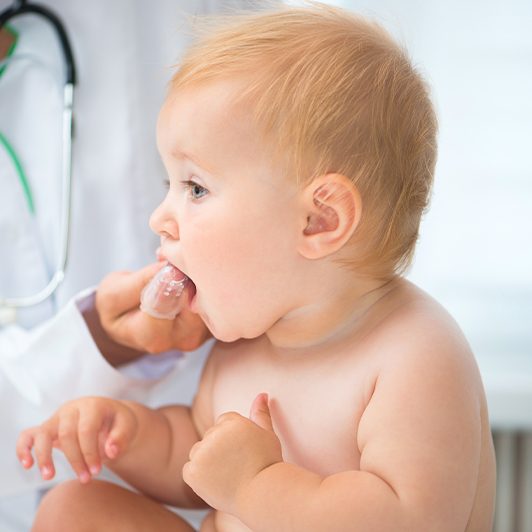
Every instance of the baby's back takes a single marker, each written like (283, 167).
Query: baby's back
(400, 398)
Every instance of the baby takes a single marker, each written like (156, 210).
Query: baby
(300, 148)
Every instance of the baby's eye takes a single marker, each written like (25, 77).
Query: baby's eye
(196, 191)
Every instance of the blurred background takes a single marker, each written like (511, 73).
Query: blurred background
(475, 249)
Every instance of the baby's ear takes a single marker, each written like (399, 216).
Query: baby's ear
(331, 209)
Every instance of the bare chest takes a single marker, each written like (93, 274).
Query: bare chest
(316, 408)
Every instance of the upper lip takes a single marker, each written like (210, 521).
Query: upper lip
(165, 257)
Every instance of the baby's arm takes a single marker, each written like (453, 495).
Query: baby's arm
(166, 449)
(145, 447)
(419, 440)
(155, 461)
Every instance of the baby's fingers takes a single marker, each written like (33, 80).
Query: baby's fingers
(69, 443)
(121, 434)
(24, 445)
(91, 430)
(43, 453)
(40, 440)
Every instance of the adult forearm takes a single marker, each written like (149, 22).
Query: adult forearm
(116, 354)
(288, 498)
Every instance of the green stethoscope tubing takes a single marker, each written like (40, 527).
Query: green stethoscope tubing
(21, 7)
(6, 144)
(20, 173)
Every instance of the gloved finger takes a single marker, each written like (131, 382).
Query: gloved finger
(163, 297)
(69, 443)
(120, 292)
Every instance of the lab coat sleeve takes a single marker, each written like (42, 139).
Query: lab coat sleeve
(42, 368)
(59, 360)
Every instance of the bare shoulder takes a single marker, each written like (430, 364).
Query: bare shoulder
(425, 355)
(421, 431)
(421, 333)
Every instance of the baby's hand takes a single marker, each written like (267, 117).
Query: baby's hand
(88, 431)
(231, 454)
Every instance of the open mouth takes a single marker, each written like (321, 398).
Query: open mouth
(168, 293)
(188, 285)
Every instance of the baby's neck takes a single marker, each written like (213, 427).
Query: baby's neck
(336, 312)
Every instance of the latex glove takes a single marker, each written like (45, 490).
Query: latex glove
(231, 453)
(165, 296)
(117, 304)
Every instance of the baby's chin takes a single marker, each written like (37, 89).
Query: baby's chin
(227, 334)
(224, 330)
(221, 333)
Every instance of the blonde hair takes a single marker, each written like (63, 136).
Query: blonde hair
(332, 92)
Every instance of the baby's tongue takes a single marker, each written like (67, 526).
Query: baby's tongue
(165, 295)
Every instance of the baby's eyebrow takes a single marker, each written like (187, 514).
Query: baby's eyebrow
(180, 154)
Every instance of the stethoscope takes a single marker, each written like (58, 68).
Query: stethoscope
(9, 305)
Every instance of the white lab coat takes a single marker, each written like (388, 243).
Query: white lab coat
(58, 360)
(124, 50)
(41, 369)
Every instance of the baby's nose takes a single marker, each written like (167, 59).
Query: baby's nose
(163, 223)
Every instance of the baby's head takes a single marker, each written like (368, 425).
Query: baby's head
(314, 134)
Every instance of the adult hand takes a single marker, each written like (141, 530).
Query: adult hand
(117, 305)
